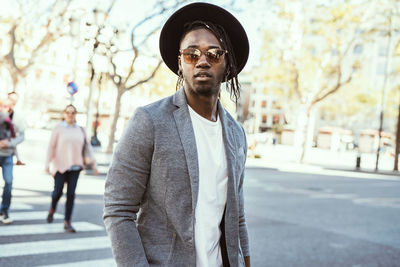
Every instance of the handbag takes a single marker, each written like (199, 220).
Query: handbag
(87, 154)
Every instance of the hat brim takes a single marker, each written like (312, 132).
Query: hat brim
(172, 32)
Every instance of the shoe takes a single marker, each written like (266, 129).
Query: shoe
(68, 227)
(19, 163)
(50, 216)
(5, 218)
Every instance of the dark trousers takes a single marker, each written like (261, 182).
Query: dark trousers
(71, 178)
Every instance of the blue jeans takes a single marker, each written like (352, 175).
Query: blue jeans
(71, 178)
(7, 165)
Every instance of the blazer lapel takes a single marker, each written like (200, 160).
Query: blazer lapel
(186, 134)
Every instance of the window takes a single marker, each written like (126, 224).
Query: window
(276, 119)
(381, 69)
(382, 51)
(264, 118)
(358, 49)
(264, 104)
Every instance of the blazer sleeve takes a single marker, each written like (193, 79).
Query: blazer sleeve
(243, 235)
(124, 189)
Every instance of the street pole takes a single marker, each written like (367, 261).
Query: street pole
(397, 149)
(94, 140)
(383, 99)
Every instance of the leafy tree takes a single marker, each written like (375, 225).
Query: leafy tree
(309, 56)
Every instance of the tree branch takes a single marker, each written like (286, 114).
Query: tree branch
(338, 85)
(147, 79)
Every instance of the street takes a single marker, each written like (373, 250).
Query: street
(296, 217)
(303, 219)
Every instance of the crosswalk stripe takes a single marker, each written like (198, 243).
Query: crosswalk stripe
(33, 229)
(53, 246)
(20, 206)
(24, 193)
(32, 215)
(94, 263)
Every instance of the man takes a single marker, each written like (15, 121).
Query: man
(13, 99)
(7, 146)
(181, 160)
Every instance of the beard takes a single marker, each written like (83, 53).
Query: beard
(205, 89)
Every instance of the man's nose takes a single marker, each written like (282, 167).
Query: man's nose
(202, 62)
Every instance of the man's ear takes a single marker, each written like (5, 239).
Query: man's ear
(179, 63)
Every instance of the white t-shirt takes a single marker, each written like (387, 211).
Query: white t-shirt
(213, 178)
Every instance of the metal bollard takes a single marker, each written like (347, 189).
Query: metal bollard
(358, 162)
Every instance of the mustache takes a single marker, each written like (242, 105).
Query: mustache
(203, 73)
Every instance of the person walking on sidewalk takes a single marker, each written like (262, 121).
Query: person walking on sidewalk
(17, 120)
(8, 141)
(65, 152)
(181, 160)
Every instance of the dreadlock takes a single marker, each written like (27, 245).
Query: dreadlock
(232, 85)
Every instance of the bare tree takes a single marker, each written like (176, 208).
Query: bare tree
(26, 41)
(109, 44)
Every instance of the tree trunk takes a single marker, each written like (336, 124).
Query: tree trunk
(92, 85)
(397, 150)
(304, 145)
(114, 122)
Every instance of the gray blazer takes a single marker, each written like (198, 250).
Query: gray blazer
(152, 186)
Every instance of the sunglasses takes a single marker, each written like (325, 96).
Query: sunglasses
(70, 113)
(213, 55)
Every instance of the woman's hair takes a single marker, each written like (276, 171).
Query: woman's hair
(232, 85)
(72, 106)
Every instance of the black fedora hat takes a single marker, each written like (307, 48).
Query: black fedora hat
(172, 31)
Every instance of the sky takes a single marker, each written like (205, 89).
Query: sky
(251, 16)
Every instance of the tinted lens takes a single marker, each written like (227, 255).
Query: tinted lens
(214, 55)
(192, 55)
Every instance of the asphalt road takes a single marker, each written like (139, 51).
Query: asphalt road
(303, 219)
(294, 219)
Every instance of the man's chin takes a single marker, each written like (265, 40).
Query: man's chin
(205, 89)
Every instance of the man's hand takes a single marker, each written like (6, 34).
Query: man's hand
(47, 170)
(3, 143)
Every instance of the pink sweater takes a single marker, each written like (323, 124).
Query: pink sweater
(65, 148)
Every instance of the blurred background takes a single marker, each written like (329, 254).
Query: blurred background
(321, 74)
(320, 104)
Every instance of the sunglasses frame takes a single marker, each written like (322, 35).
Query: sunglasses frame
(210, 59)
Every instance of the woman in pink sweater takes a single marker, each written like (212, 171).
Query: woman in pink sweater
(65, 154)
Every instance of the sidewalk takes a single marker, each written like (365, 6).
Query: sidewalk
(281, 157)
(286, 157)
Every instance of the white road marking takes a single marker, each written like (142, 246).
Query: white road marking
(48, 228)
(20, 206)
(53, 246)
(93, 263)
(32, 215)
